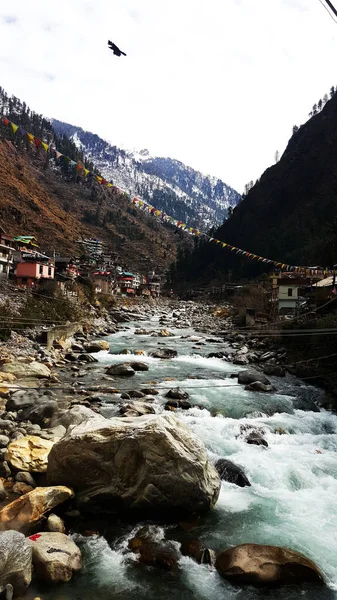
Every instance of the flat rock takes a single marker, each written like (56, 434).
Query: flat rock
(29, 453)
(15, 561)
(55, 557)
(24, 513)
(20, 370)
(255, 564)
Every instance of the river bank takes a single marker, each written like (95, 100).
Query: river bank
(287, 460)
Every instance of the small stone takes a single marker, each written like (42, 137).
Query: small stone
(22, 488)
(25, 477)
(55, 523)
(5, 470)
(4, 441)
(3, 493)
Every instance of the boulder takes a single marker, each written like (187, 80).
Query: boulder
(20, 370)
(256, 438)
(164, 353)
(73, 417)
(150, 391)
(247, 377)
(153, 552)
(55, 557)
(21, 399)
(150, 464)
(25, 512)
(177, 394)
(139, 366)
(21, 488)
(240, 359)
(25, 477)
(216, 355)
(87, 358)
(29, 453)
(42, 410)
(258, 386)
(97, 346)
(123, 370)
(136, 409)
(255, 564)
(165, 333)
(15, 561)
(55, 523)
(232, 473)
(133, 394)
(274, 371)
(4, 441)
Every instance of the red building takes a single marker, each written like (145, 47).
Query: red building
(33, 268)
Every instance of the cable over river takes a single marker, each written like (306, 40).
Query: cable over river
(292, 499)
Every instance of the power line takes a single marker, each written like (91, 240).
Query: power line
(332, 8)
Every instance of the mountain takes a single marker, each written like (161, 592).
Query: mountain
(289, 215)
(44, 197)
(197, 200)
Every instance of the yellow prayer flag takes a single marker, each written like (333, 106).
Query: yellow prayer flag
(45, 146)
(109, 185)
(99, 178)
(224, 245)
(86, 172)
(30, 137)
(14, 127)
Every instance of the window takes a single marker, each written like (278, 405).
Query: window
(41, 269)
(290, 291)
(49, 271)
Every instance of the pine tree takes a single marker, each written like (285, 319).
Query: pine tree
(314, 109)
(277, 156)
(319, 104)
(332, 91)
(295, 129)
(325, 99)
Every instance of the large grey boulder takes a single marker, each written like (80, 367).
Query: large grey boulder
(55, 557)
(15, 561)
(150, 464)
(247, 377)
(256, 564)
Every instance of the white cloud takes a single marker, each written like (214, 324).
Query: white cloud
(216, 84)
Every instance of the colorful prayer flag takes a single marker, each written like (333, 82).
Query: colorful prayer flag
(14, 127)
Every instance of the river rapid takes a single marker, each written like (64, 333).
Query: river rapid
(292, 501)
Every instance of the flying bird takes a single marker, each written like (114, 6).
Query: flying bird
(115, 49)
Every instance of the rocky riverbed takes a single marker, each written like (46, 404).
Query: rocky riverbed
(162, 440)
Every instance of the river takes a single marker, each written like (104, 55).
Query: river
(292, 500)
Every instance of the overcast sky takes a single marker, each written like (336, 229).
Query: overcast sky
(217, 84)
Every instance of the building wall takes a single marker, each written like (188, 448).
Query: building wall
(26, 269)
(283, 292)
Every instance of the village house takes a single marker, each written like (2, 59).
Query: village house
(33, 268)
(104, 282)
(126, 283)
(287, 293)
(153, 284)
(6, 253)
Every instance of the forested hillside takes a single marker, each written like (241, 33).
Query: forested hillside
(289, 215)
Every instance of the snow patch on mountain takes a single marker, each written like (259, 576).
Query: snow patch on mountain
(196, 199)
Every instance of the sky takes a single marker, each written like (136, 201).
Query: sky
(217, 84)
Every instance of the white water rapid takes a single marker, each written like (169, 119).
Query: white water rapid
(292, 501)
